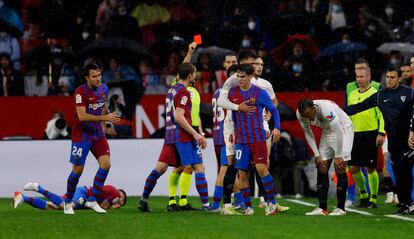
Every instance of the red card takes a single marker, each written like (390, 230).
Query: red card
(197, 39)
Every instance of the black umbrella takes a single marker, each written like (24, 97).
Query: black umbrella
(115, 47)
(10, 28)
(46, 53)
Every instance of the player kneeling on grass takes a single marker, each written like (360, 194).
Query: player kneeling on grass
(250, 137)
(110, 197)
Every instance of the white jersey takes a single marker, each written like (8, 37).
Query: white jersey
(337, 131)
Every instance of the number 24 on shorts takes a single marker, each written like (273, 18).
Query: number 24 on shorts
(77, 151)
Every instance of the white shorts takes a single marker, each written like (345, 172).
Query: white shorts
(328, 144)
(229, 145)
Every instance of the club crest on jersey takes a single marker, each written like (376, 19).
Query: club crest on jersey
(403, 98)
(331, 116)
(252, 100)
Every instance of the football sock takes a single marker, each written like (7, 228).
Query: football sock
(73, 180)
(246, 196)
(268, 188)
(373, 181)
(98, 183)
(172, 186)
(218, 194)
(228, 182)
(322, 187)
(360, 182)
(351, 192)
(150, 184)
(55, 199)
(185, 183)
(202, 188)
(259, 181)
(341, 189)
(388, 185)
(238, 196)
(35, 202)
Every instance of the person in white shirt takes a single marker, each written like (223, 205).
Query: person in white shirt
(335, 145)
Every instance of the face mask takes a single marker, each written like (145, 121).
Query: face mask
(394, 61)
(85, 35)
(298, 53)
(246, 43)
(372, 27)
(122, 12)
(345, 41)
(3, 34)
(251, 25)
(389, 11)
(57, 61)
(297, 68)
(336, 8)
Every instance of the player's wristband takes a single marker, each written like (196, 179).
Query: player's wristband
(382, 134)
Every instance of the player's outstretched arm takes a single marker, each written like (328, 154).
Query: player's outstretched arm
(83, 116)
(368, 103)
(310, 138)
(191, 49)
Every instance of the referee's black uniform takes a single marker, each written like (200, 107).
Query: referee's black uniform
(396, 106)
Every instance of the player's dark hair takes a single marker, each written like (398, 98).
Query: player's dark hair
(393, 68)
(244, 55)
(246, 68)
(89, 67)
(125, 200)
(405, 63)
(229, 54)
(304, 104)
(232, 68)
(362, 61)
(185, 69)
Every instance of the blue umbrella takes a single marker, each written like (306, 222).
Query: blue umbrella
(342, 47)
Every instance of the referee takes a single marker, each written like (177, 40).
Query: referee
(396, 105)
(369, 134)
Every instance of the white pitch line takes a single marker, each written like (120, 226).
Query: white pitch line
(301, 202)
(353, 210)
(400, 217)
(358, 211)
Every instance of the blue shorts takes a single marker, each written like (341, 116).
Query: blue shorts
(242, 156)
(79, 198)
(220, 151)
(80, 150)
(190, 153)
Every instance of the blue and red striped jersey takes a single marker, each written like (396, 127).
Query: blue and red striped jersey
(249, 126)
(219, 114)
(177, 96)
(94, 102)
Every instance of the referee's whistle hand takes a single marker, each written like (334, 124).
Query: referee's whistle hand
(380, 140)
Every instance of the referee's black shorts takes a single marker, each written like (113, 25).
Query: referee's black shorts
(364, 150)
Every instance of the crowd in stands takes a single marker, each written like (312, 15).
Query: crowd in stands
(306, 45)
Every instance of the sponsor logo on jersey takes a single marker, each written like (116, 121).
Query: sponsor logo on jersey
(331, 116)
(96, 105)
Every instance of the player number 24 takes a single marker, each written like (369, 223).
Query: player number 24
(76, 151)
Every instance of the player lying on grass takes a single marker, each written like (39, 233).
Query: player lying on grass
(111, 197)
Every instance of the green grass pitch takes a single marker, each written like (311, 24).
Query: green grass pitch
(27, 222)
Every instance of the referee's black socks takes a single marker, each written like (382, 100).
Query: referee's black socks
(229, 179)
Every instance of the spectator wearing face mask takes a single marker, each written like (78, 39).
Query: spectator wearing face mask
(391, 16)
(121, 24)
